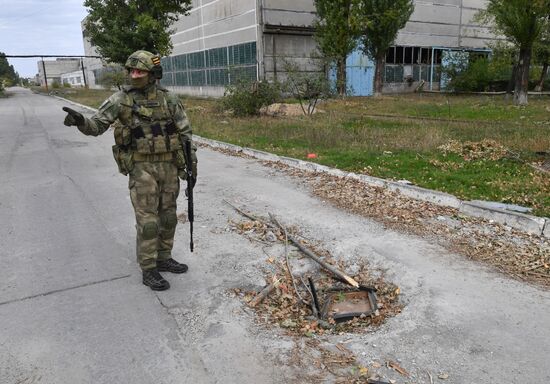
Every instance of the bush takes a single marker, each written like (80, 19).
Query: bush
(56, 84)
(479, 74)
(307, 87)
(66, 84)
(246, 98)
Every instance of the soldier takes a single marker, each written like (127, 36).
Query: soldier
(150, 127)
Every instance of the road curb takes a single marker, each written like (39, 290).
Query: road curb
(539, 226)
(528, 223)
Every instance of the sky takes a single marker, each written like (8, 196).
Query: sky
(47, 27)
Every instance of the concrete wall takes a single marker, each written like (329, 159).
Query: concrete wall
(295, 13)
(91, 65)
(215, 24)
(445, 23)
(287, 37)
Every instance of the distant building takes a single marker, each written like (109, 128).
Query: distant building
(55, 68)
(74, 79)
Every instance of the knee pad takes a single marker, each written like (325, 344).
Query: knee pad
(169, 221)
(150, 231)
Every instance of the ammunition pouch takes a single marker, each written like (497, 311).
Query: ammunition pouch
(122, 134)
(155, 138)
(124, 158)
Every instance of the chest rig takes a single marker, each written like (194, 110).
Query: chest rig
(147, 124)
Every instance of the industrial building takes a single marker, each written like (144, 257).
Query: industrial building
(224, 40)
(55, 69)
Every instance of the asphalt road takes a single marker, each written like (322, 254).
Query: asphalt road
(73, 309)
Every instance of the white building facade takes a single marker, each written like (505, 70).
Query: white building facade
(73, 79)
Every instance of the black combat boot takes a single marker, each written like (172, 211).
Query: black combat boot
(171, 265)
(153, 279)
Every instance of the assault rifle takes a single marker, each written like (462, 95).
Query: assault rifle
(189, 190)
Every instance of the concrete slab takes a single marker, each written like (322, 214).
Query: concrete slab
(527, 223)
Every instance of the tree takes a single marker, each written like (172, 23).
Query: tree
(7, 72)
(119, 27)
(380, 21)
(336, 34)
(522, 22)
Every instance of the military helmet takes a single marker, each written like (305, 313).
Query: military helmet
(143, 60)
(146, 61)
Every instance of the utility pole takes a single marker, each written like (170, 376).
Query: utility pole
(45, 77)
(83, 72)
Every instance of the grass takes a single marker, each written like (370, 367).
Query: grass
(398, 137)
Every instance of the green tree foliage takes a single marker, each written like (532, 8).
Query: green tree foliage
(119, 27)
(380, 20)
(522, 22)
(8, 76)
(336, 34)
(113, 76)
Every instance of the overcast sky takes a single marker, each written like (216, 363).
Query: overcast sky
(47, 27)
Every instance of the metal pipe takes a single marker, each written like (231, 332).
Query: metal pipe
(432, 70)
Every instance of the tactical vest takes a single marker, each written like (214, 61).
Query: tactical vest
(147, 126)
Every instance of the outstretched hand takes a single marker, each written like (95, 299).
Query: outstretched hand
(73, 117)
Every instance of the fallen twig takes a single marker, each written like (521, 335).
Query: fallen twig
(262, 295)
(274, 219)
(430, 376)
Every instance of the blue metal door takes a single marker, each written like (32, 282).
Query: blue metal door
(359, 74)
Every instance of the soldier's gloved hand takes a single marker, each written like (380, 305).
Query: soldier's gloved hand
(73, 117)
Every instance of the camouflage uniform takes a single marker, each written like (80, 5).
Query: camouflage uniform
(149, 124)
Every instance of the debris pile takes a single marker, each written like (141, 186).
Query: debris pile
(313, 302)
(476, 150)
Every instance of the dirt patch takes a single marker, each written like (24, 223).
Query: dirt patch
(283, 109)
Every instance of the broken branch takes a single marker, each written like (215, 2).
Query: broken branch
(262, 295)
(274, 219)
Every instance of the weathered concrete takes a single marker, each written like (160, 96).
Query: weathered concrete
(527, 223)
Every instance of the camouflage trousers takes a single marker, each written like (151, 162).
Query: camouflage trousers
(154, 189)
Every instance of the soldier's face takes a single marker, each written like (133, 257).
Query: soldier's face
(137, 73)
